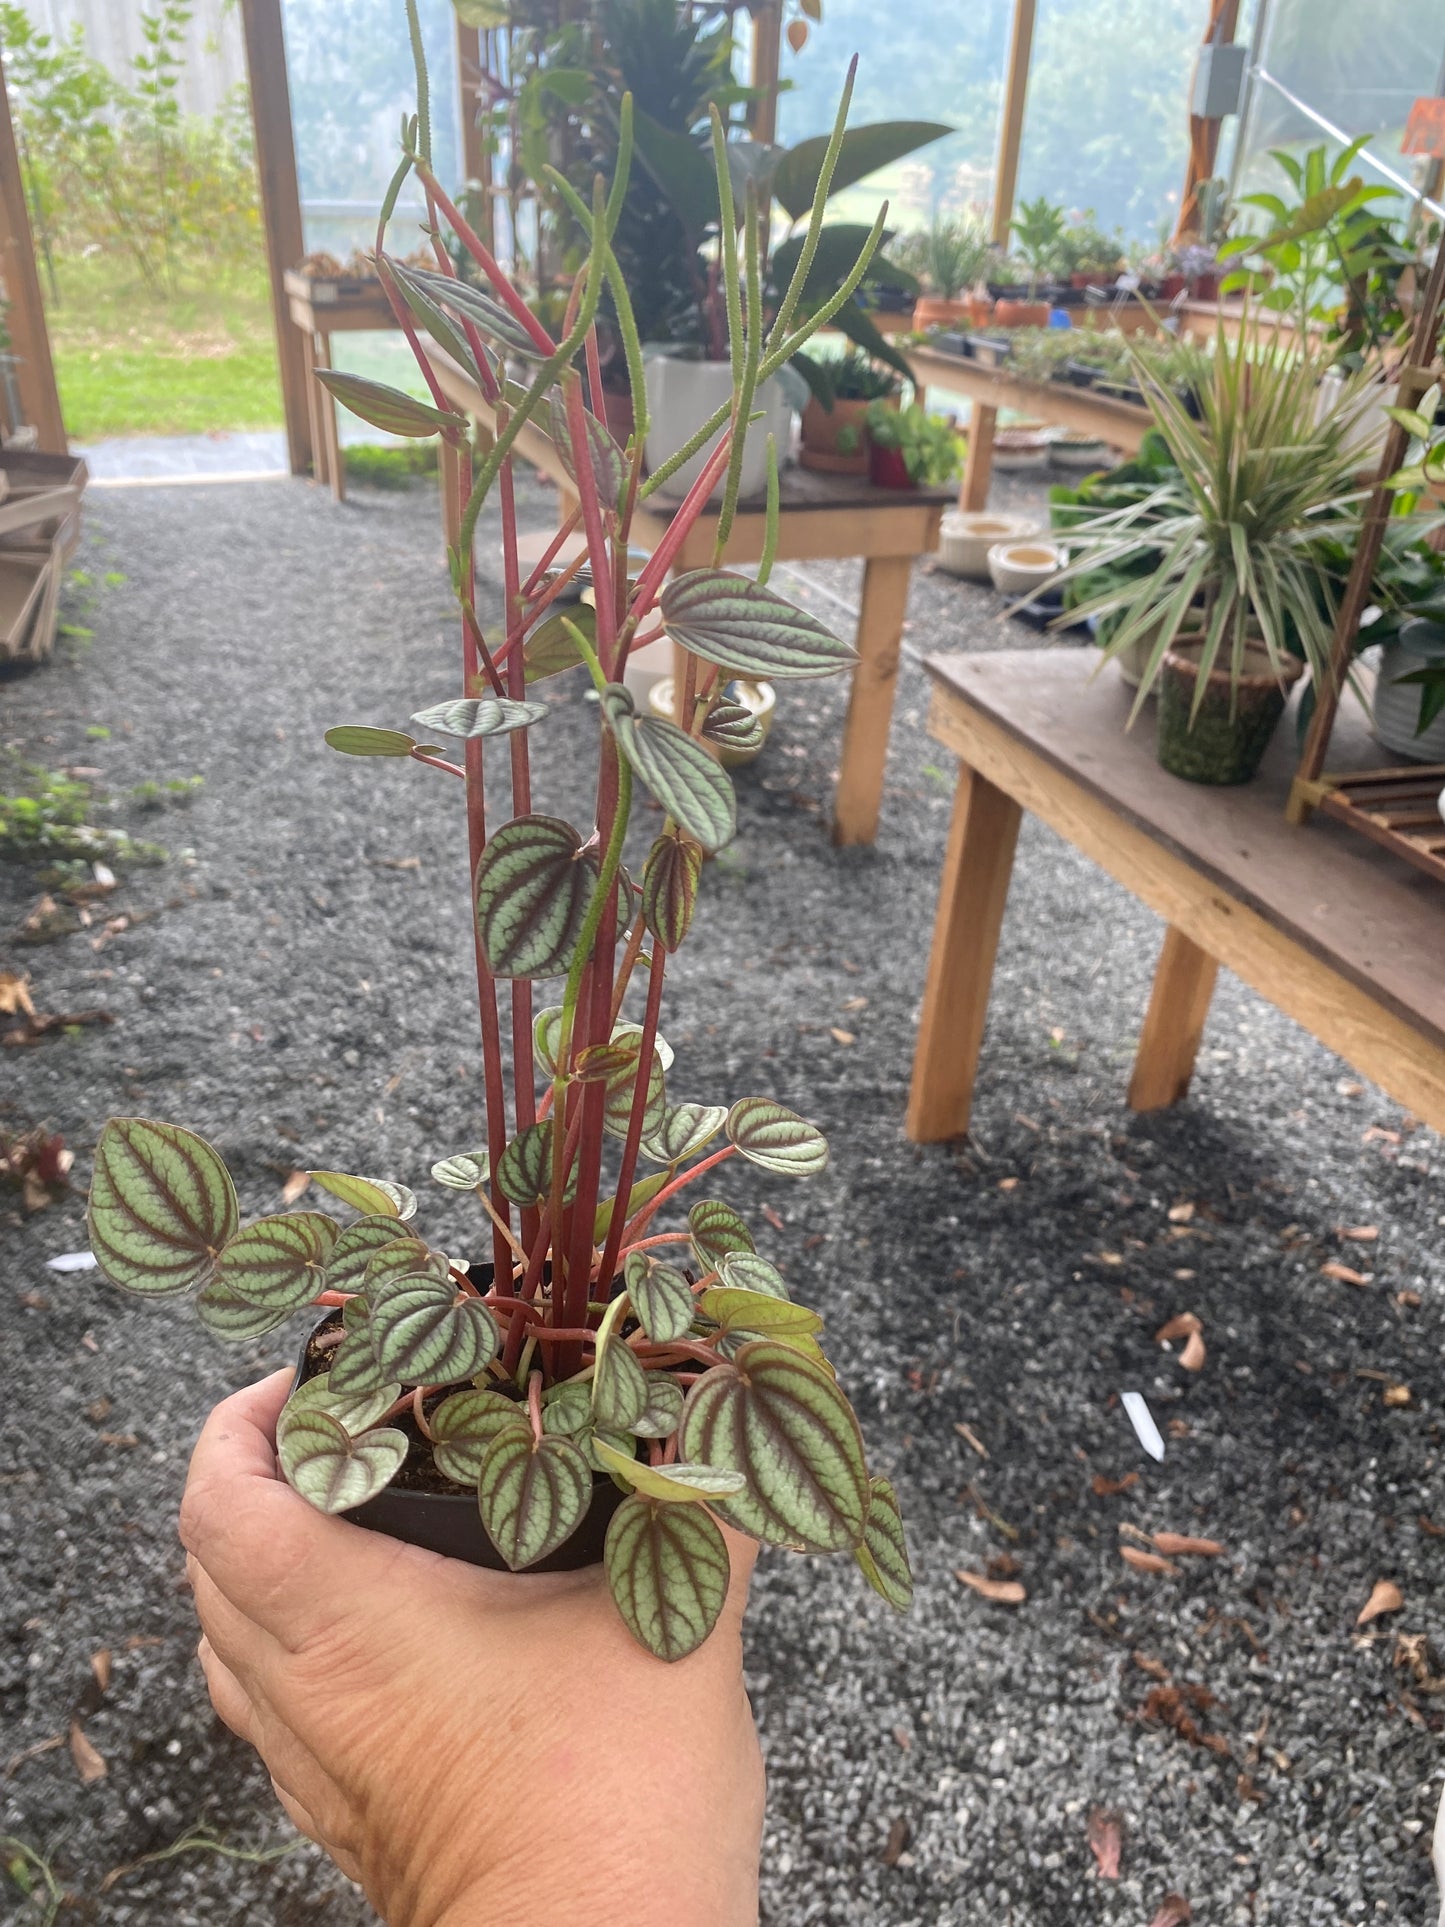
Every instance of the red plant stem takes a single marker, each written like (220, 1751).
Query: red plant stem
(484, 259)
(534, 1402)
(418, 1394)
(534, 609)
(634, 1121)
(630, 955)
(592, 522)
(652, 1244)
(594, 376)
(658, 1355)
(550, 552)
(479, 643)
(654, 1205)
(438, 762)
(649, 583)
(474, 341)
(524, 1090)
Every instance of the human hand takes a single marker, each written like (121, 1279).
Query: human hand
(472, 1747)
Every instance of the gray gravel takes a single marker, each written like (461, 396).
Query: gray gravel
(302, 997)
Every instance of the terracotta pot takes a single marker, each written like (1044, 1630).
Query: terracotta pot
(1226, 741)
(887, 468)
(1205, 288)
(1172, 286)
(980, 310)
(932, 311)
(1021, 314)
(821, 428)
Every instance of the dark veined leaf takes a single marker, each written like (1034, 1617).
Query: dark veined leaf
(730, 1343)
(547, 1037)
(669, 888)
(622, 1032)
(748, 628)
(619, 1387)
(756, 1311)
(465, 1425)
(690, 785)
(533, 1494)
(161, 1206)
(746, 1271)
(643, 1192)
(658, 1418)
(668, 1569)
(388, 409)
(422, 1334)
(589, 1441)
(438, 324)
(376, 1197)
(716, 1230)
(661, 1297)
(524, 1170)
(674, 1484)
(780, 1420)
(353, 1412)
(621, 1084)
(359, 739)
(355, 1249)
(778, 1139)
(567, 1408)
(600, 1062)
(883, 1554)
(863, 151)
(332, 1470)
(609, 464)
(355, 1367)
(490, 319)
(479, 716)
(231, 1318)
(730, 725)
(551, 647)
(532, 890)
(464, 1171)
(278, 1263)
(685, 1129)
(403, 1258)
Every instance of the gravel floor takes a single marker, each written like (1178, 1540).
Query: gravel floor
(301, 997)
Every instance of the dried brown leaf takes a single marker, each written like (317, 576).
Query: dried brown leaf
(899, 1834)
(294, 1186)
(967, 1433)
(1343, 1275)
(88, 1763)
(100, 1666)
(1146, 1561)
(1106, 1842)
(1111, 1488)
(15, 995)
(1174, 1911)
(1194, 1354)
(1385, 1598)
(1180, 1544)
(1181, 1213)
(1003, 1592)
(1359, 1234)
(1183, 1325)
(1155, 1668)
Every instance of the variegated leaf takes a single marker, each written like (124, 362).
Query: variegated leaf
(547, 1037)
(278, 1263)
(552, 647)
(332, 1470)
(161, 1206)
(353, 1411)
(400, 1259)
(389, 409)
(438, 324)
(465, 1171)
(660, 1295)
(423, 1334)
(667, 1566)
(567, 1408)
(497, 327)
(533, 1494)
(675, 1484)
(621, 1085)
(685, 1130)
(690, 784)
(658, 1418)
(532, 891)
(728, 724)
(619, 1387)
(479, 716)
(746, 1271)
(465, 1424)
(231, 1318)
(670, 881)
(356, 1247)
(609, 464)
(355, 1367)
(524, 1170)
(778, 1139)
(716, 1230)
(748, 628)
(883, 1554)
(375, 1197)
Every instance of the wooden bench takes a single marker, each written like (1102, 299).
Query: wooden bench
(1345, 939)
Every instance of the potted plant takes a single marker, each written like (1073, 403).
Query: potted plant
(1039, 228)
(1091, 258)
(617, 1362)
(1409, 705)
(950, 257)
(909, 448)
(835, 421)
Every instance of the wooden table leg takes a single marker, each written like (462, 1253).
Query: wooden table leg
(1178, 1006)
(978, 469)
(315, 396)
(971, 896)
(870, 702)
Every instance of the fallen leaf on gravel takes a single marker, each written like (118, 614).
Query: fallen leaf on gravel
(841, 1036)
(100, 1666)
(1146, 1561)
(1181, 1213)
(17, 1760)
(903, 1738)
(774, 1218)
(88, 1763)
(1106, 1842)
(118, 1441)
(98, 1410)
(1183, 1325)
(1174, 1910)
(1155, 1668)
(1245, 1789)
(1359, 1234)
(1008, 1184)
(15, 995)
(292, 1189)
(1168, 1706)
(1194, 1354)
(1342, 1274)
(1111, 1488)
(899, 1834)
(1397, 1395)
(1386, 1598)
(1003, 1592)
(967, 1432)
(1180, 1545)
(1429, 1527)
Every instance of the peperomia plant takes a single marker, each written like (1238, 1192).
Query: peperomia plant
(611, 1346)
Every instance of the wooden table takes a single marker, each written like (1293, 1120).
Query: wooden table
(823, 518)
(321, 309)
(1343, 938)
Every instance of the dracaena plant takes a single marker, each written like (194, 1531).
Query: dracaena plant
(626, 1327)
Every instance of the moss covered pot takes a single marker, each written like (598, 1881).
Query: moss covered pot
(1225, 742)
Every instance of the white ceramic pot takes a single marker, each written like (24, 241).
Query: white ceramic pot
(1369, 424)
(1397, 709)
(1019, 568)
(681, 395)
(760, 697)
(966, 536)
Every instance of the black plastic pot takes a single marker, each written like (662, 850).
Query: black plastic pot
(449, 1522)
(1080, 374)
(950, 342)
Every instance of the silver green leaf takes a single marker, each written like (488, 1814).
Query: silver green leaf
(332, 1470)
(161, 1206)
(609, 464)
(685, 1130)
(661, 1297)
(479, 716)
(689, 783)
(658, 1418)
(746, 1271)
(588, 1444)
(437, 323)
(670, 882)
(355, 1367)
(490, 319)
(547, 1037)
(883, 1554)
(747, 628)
(465, 1424)
(533, 1494)
(716, 1230)
(376, 1197)
(422, 1334)
(278, 1263)
(567, 1408)
(552, 647)
(355, 1248)
(524, 1170)
(756, 1311)
(231, 1318)
(667, 1566)
(359, 739)
(532, 891)
(353, 1411)
(386, 408)
(676, 1484)
(400, 1259)
(728, 724)
(619, 1387)
(621, 1085)
(780, 1419)
(466, 1171)
(776, 1138)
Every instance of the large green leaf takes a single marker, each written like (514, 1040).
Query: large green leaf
(883, 1554)
(834, 258)
(423, 1334)
(748, 628)
(864, 150)
(161, 1206)
(332, 1470)
(690, 785)
(231, 1318)
(533, 1494)
(524, 1170)
(278, 1263)
(532, 893)
(682, 170)
(491, 320)
(674, 1484)
(669, 888)
(668, 1569)
(661, 1297)
(464, 1426)
(389, 409)
(778, 1139)
(376, 1197)
(780, 1420)
(479, 716)
(716, 1230)
(360, 739)
(355, 1249)
(757, 1311)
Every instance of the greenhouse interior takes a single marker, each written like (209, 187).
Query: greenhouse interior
(925, 1402)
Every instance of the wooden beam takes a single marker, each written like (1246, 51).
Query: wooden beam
(767, 18)
(469, 75)
(280, 208)
(1204, 134)
(1011, 128)
(25, 312)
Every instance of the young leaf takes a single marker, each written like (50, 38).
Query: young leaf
(746, 1271)
(671, 1484)
(374, 1196)
(524, 1170)
(690, 785)
(358, 739)
(669, 888)
(668, 1569)
(728, 724)
(716, 1230)
(756, 1311)
(278, 1263)
(661, 1297)
(776, 1138)
(883, 1554)
(464, 1171)
(658, 1418)
(567, 1408)
(161, 1206)
(751, 630)
(388, 409)
(547, 1037)
(533, 1494)
(685, 1129)
(353, 1411)
(422, 1334)
(356, 1247)
(781, 1421)
(617, 1109)
(465, 1425)
(489, 317)
(330, 1469)
(231, 1318)
(619, 1387)
(479, 716)
(532, 895)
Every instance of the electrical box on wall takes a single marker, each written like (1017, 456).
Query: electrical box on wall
(1218, 81)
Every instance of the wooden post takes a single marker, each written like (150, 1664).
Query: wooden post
(25, 312)
(476, 161)
(1169, 1041)
(864, 755)
(1011, 128)
(767, 18)
(1204, 134)
(280, 208)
